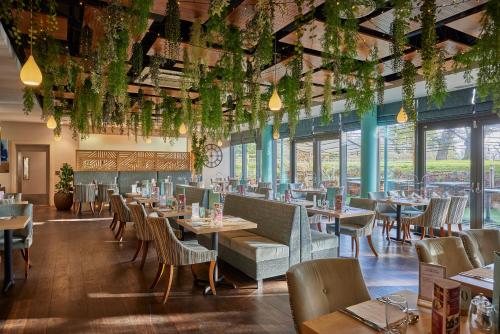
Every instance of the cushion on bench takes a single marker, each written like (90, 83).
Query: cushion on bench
(259, 248)
(322, 241)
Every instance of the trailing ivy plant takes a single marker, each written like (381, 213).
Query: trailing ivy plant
(147, 118)
(136, 59)
(199, 152)
(171, 118)
(154, 70)
(438, 91)
(117, 75)
(172, 29)
(409, 73)
(139, 10)
(399, 28)
(308, 92)
(28, 100)
(326, 107)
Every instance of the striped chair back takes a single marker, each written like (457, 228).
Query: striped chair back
(381, 207)
(84, 193)
(121, 209)
(456, 210)
(140, 219)
(111, 192)
(436, 212)
(103, 195)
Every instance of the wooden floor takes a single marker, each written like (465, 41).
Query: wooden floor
(82, 282)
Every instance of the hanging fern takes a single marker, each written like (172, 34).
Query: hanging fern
(409, 73)
(117, 75)
(171, 118)
(199, 152)
(147, 119)
(438, 90)
(28, 100)
(136, 59)
(428, 50)
(139, 10)
(172, 30)
(326, 108)
(308, 92)
(399, 29)
(134, 120)
(154, 70)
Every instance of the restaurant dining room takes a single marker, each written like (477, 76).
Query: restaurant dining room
(250, 166)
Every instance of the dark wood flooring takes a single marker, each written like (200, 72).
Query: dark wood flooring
(82, 281)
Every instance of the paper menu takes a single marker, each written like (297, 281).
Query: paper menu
(195, 210)
(428, 274)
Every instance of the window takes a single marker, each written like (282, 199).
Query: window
(330, 162)
(238, 161)
(396, 156)
(304, 163)
(353, 143)
(283, 172)
(251, 163)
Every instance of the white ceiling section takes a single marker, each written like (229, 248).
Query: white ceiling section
(11, 87)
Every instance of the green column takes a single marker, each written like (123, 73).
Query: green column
(369, 152)
(267, 154)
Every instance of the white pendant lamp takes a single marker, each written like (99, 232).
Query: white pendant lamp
(182, 129)
(51, 122)
(402, 116)
(30, 72)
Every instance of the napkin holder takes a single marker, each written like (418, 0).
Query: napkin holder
(446, 307)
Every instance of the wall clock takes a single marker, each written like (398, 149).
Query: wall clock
(214, 156)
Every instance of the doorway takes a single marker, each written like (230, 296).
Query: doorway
(32, 177)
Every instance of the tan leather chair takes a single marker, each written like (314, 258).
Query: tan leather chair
(448, 252)
(323, 286)
(480, 245)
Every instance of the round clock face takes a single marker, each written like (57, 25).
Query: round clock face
(214, 156)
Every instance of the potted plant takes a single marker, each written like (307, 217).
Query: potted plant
(63, 198)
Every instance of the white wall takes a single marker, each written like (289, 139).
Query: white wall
(125, 143)
(37, 134)
(223, 168)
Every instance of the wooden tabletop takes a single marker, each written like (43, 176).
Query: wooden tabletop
(163, 212)
(476, 284)
(253, 195)
(309, 190)
(229, 223)
(337, 322)
(404, 201)
(4, 202)
(147, 200)
(347, 212)
(132, 195)
(14, 223)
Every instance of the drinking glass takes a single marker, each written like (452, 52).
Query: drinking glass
(396, 314)
(481, 315)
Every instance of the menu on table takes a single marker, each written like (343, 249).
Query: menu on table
(428, 274)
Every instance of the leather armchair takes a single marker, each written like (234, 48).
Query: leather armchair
(448, 252)
(480, 245)
(323, 286)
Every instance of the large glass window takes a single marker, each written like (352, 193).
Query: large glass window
(252, 163)
(283, 172)
(304, 163)
(330, 162)
(353, 143)
(238, 161)
(491, 182)
(396, 156)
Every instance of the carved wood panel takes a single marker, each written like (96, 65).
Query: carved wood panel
(131, 161)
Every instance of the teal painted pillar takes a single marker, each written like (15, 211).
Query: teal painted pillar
(369, 152)
(267, 154)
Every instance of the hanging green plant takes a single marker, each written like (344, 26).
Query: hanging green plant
(147, 119)
(136, 59)
(399, 29)
(171, 118)
(199, 152)
(308, 93)
(326, 107)
(409, 73)
(28, 100)
(154, 70)
(428, 50)
(438, 87)
(217, 7)
(139, 10)
(172, 30)
(117, 75)
(261, 30)
(134, 123)
(332, 38)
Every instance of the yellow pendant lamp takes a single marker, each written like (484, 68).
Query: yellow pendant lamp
(183, 129)
(51, 122)
(148, 140)
(276, 134)
(30, 72)
(402, 116)
(219, 143)
(57, 137)
(275, 101)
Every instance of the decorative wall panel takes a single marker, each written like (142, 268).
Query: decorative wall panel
(132, 161)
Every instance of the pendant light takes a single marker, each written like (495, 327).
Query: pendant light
(275, 101)
(57, 137)
(51, 122)
(276, 134)
(402, 116)
(148, 140)
(219, 143)
(30, 72)
(182, 129)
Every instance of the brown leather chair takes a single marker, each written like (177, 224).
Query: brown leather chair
(448, 252)
(480, 245)
(323, 286)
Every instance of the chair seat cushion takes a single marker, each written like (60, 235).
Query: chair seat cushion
(353, 230)
(226, 237)
(259, 248)
(17, 243)
(321, 241)
(202, 253)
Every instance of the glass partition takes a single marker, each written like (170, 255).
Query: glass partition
(251, 163)
(353, 143)
(491, 176)
(304, 163)
(238, 161)
(330, 162)
(283, 171)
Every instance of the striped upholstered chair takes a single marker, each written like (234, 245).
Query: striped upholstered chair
(122, 214)
(173, 253)
(143, 232)
(113, 212)
(433, 217)
(455, 213)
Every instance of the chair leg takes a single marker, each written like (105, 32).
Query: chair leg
(26, 262)
(144, 254)
(211, 277)
(384, 226)
(193, 272)
(460, 227)
(91, 204)
(431, 231)
(449, 230)
(139, 246)
(352, 244)
(441, 231)
(422, 229)
(113, 222)
(123, 231)
(388, 230)
(121, 228)
(161, 267)
(369, 238)
(356, 241)
(170, 273)
(101, 205)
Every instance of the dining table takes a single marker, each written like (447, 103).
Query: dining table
(8, 225)
(341, 322)
(345, 212)
(478, 280)
(399, 203)
(310, 190)
(208, 226)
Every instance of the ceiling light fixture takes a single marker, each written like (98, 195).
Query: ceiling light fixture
(51, 122)
(30, 72)
(275, 101)
(402, 116)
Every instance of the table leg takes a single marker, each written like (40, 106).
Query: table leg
(218, 280)
(398, 226)
(488, 205)
(8, 267)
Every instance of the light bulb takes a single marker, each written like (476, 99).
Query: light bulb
(182, 129)
(51, 122)
(275, 101)
(148, 140)
(276, 134)
(57, 137)
(402, 117)
(30, 73)
(219, 143)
